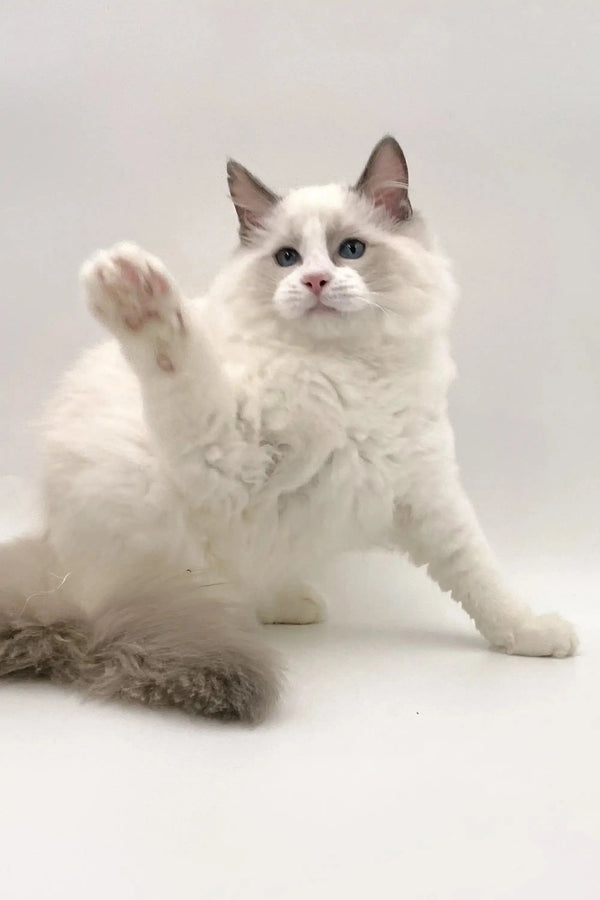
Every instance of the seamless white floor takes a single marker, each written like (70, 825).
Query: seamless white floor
(406, 760)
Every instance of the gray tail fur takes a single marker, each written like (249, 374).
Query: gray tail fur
(169, 642)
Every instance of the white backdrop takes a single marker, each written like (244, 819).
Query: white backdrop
(116, 119)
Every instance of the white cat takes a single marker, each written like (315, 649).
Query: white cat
(211, 453)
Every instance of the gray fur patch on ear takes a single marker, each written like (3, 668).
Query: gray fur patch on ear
(170, 643)
(251, 198)
(385, 179)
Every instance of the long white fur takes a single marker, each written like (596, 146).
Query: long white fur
(252, 438)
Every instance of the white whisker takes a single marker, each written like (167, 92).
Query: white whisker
(45, 593)
(387, 312)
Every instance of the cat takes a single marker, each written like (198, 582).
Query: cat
(211, 453)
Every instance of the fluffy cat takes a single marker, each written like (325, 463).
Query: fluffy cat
(211, 453)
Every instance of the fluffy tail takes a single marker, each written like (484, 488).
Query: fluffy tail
(171, 642)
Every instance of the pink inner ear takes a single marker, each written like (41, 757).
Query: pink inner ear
(252, 200)
(385, 179)
(251, 203)
(387, 197)
(251, 218)
(394, 200)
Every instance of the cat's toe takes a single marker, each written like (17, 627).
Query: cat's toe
(545, 635)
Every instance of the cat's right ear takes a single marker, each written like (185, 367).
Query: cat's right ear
(385, 179)
(252, 200)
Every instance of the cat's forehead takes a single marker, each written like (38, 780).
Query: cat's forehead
(329, 205)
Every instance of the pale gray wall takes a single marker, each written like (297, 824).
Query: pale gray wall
(116, 119)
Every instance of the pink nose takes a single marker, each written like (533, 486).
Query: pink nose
(316, 282)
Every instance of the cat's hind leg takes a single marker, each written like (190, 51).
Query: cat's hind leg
(298, 603)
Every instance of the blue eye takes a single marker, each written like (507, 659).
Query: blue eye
(287, 256)
(351, 248)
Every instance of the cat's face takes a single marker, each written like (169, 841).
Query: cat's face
(333, 261)
(325, 260)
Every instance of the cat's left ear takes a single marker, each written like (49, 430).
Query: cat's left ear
(385, 179)
(252, 200)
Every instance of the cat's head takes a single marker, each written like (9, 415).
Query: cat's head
(334, 261)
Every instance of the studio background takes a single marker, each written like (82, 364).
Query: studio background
(116, 120)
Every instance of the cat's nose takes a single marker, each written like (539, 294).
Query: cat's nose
(316, 281)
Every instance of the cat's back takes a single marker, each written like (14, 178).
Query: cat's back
(92, 430)
(100, 386)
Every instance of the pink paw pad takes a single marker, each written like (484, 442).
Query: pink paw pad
(130, 291)
(151, 282)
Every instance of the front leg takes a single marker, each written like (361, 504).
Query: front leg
(438, 526)
(189, 406)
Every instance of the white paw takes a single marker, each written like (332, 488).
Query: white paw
(546, 635)
(304, 607)
(133, 295)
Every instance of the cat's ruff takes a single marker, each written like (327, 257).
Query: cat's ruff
(297, 411)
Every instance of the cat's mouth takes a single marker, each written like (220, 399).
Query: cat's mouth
(320, 308)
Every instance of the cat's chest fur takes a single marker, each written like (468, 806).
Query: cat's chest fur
(341, 434)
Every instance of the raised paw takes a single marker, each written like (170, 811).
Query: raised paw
(133, 295)
(545, 635)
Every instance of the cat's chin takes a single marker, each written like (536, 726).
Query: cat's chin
(334, 325)
(322, 309)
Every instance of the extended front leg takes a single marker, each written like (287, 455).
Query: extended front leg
(437, 525)
(189, 406)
